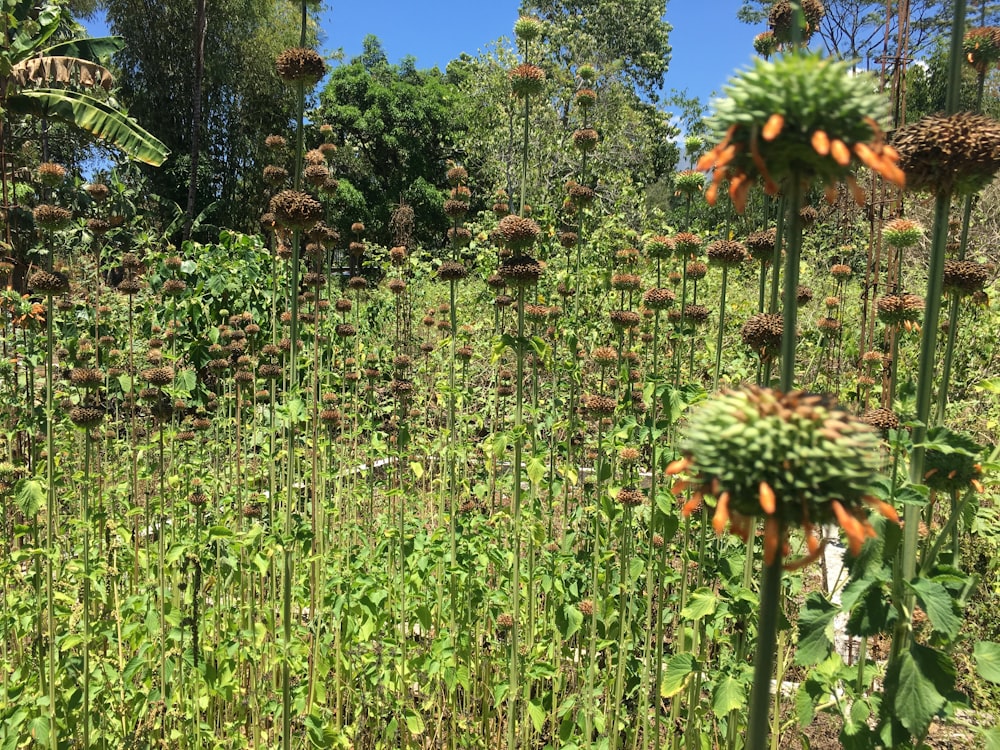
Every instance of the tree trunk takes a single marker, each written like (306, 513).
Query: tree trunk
(200, 22)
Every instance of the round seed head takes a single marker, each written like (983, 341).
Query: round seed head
(881, 419)
(902, 233)
(275, 175)
(518, 233)
(586, 98)
(686, 244)
(804, 295)
(50, 174)
(457, 175)
(585, 139)
(964, 277)
(630, 497)
(696, 314)
(293, 210)
(760, 245)
(48, 283)
(51, 217)
(527, 80)
(956, 153)
(726, 253)
(765, 44)
(659, 298)
(781, 19)
(696, 270)
(689, 182)
(86, 416)
(300, 65)
(762, 333)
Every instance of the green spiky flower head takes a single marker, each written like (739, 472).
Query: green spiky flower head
(799, 116)
(793, 458)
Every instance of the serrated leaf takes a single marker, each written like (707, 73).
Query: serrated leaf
(28, 496)
(537, 714)
(701, 603)
(987, 655)
(536, 470)
(679, 668)
(914, 684)
(414, 723)
(572, 620)
(728, 696)
(815, 630)
(991, 738)
(938, 605)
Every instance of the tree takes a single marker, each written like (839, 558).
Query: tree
(64, 80)
(396, 128)
(241, 100)
(870, 29)
(624, 38)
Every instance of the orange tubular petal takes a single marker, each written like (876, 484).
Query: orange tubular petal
(772, 538)
(680, 487)
(721, 517)
(768, 502)
(884, 508)
(773, 126)
(692, 505)
(761, 165)
(740, 199)
(857, 192)
(815, 550)
(868, 157)
(850, 525)
(821, 143)
(708, 160)
(840, 153)
(890, 153)
(740, 525)
(727, 155)
(930, 473)
(676, 467)
(712, 194)
(977, 485)
(830, 193)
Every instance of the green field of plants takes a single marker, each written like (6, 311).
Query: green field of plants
(486, 409)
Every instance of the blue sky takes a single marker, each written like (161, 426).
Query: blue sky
(709, 44)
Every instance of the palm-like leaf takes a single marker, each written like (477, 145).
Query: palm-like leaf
(92, 115)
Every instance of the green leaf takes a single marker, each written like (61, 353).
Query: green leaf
(728, 696)
(219, 532)
(573, 621)
(815, 630)
(537, 714)
(939, 605)
(29, 496)
(679, 668)
(914, 684)
(94, 49)
(536, 470)
(38, 727)
(414, 723)
(702, 602)
(417, 468)
(987, 655)
(93, 116)
(991, 738)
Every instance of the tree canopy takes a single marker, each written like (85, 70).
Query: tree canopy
(396, 128)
